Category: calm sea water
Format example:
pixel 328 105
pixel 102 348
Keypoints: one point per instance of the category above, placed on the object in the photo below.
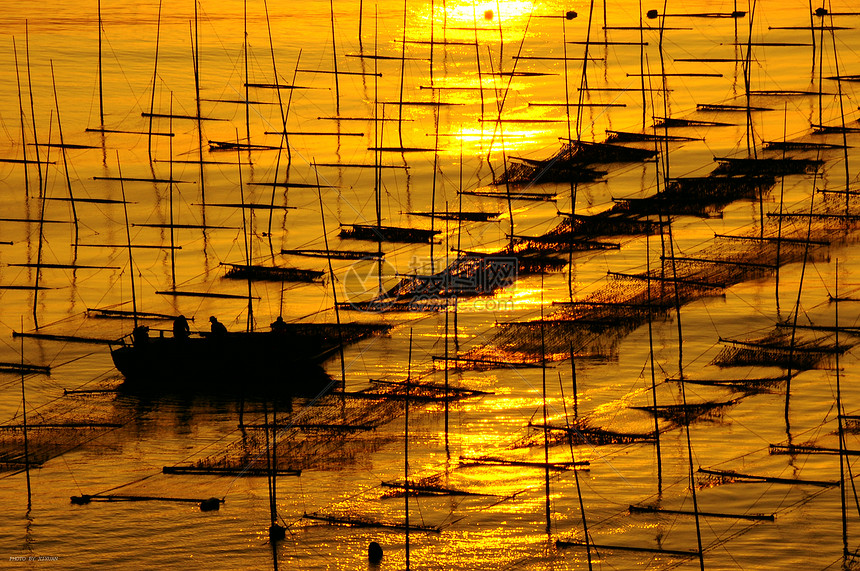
pixel 515 51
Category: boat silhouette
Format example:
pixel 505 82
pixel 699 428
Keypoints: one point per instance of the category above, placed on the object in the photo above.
pixel 286 361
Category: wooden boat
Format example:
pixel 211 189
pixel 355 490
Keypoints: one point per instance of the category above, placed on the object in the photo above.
pixel 287 361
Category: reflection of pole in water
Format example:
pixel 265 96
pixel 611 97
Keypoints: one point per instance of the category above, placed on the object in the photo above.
pixel 459 237
pixel 687 421
pixel 651 358
pixel 447 298
pixel 545 419
pixel 839 416
pixel 406 445
pixel 797 302
pixel 573 382
pixel 582 510
pixel 570 434
pixel 777 264
pixel 276 532
pixel 24 423
pixel 677 298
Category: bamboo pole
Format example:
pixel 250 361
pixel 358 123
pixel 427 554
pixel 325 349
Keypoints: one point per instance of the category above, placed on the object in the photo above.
pixel 32 104
pixel 63 149
pixel 334 59
pixel 128 241
pixel 154 83
pixel 23 125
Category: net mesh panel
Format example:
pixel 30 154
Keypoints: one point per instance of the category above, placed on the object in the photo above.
pixel 769 166
pixel 73 421
pixel 570 163
pixel 595 324
pixel 681 415
pixel 780 348
pixel 335 430
pixel 580 431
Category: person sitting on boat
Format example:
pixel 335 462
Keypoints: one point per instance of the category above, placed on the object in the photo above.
pixel 140 335
pixel 181 329
pixel 218 329
pixel 278 326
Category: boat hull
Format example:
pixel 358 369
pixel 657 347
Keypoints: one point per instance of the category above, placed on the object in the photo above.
pixel 237 362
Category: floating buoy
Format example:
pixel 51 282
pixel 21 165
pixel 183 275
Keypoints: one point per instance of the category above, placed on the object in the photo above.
pixel 374 550
pixel 80 500
pixel 276 532
pixel 210 505
pixel 821 11
pixel 651 14
pixel 488 15
pixel 570 14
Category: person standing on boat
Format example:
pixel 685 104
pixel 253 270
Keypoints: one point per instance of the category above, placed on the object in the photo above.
pixel 218 329
pixel 140 335
pixel 181 329
pixel 278 326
